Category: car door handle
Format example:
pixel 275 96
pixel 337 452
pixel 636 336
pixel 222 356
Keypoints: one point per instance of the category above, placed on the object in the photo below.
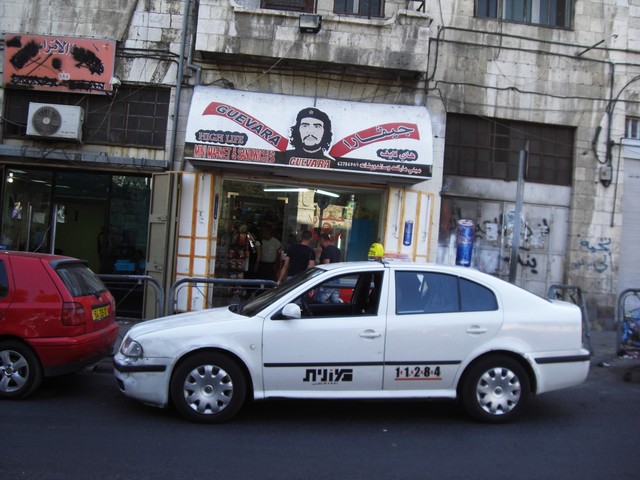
pixel 476 330
pixel 370 334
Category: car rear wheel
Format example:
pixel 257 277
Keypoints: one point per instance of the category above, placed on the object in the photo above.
pixel 20 370
pixel 208 388
pixel 496 389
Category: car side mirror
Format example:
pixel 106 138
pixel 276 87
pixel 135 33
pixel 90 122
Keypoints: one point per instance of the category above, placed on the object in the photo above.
pixel 291 310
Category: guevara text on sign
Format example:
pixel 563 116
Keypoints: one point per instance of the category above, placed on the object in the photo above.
pixel 266 130
pixel 42 62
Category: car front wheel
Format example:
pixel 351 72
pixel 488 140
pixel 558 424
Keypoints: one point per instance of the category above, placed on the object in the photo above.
pixel 20 371
pixel 496 389
pixel 208 388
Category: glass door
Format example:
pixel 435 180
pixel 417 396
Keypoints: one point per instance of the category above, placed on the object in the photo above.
pixel 26 219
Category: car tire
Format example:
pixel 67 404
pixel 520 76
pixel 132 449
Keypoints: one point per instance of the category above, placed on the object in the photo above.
pixel 20 370
pixel 495 389
pixel 208 388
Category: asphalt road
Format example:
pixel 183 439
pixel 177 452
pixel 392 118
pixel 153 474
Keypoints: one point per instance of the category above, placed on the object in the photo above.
pixel 82 427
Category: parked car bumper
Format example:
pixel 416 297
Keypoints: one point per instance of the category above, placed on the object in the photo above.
pixel 61 355
pixel 144 381
pixel 562 371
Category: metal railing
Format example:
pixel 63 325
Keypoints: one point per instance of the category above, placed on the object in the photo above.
pixel 236 287
pixel 577 297
pixel 124 286
pixel 628 326
pixel 129 284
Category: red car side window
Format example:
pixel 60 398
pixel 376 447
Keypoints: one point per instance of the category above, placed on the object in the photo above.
pixel 4 280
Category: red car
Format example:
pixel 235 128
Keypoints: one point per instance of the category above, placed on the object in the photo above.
pixel 56 317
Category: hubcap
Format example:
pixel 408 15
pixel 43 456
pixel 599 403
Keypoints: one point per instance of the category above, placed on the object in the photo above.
pixel 208 389
pixel 14 371
pixel 498 391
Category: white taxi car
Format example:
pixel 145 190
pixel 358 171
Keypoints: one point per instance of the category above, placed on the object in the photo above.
pixel 397 331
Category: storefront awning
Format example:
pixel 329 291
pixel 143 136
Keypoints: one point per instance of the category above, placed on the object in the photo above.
pixel 302 135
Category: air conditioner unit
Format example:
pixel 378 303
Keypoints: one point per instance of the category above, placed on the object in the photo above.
pixel 55 121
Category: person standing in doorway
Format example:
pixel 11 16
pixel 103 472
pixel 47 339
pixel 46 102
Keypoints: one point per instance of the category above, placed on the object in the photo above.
pixel 329 254
pixel 299 257
pixel 269 255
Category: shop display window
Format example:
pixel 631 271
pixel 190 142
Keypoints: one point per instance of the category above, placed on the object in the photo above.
pixel 247 210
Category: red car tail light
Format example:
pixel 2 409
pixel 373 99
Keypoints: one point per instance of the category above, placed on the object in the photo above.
pixel 73 313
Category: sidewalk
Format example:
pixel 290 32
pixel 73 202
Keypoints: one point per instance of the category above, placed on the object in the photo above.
pixel 603 344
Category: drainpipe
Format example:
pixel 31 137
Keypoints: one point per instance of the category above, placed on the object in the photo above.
pixel 190 65
pixel 179 76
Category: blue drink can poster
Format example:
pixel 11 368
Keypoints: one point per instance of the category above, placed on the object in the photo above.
pixel 464 242
pixel 408 233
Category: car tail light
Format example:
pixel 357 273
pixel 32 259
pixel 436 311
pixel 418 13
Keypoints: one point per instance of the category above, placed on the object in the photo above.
pixel 73 313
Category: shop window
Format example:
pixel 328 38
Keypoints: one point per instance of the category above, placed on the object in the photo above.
pixel 26 214
pixel 289 5
pixel 99 217
pixel 247 211
pixel 82 185
pixel 553 13
pixel 134 117
pixel 361 8
pixel 490 148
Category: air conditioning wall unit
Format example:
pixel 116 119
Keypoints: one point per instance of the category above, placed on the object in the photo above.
pixel 55 121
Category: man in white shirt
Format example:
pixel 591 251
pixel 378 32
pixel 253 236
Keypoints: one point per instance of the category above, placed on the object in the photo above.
pixel 269 255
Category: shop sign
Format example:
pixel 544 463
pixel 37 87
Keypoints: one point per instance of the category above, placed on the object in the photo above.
pixel 266 130
pixel 42 62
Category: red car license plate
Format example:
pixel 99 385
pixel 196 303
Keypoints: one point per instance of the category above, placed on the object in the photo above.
pixel 100 313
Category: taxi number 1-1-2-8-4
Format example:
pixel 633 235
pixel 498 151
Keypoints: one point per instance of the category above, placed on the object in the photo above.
pixel 418 373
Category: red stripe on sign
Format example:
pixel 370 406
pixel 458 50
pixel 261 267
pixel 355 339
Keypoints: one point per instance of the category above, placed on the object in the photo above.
pixel 249 123
pixel 379 133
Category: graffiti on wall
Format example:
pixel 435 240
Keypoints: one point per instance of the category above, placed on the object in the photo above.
pixel 498 233
pixel 541 253
pixel 597 255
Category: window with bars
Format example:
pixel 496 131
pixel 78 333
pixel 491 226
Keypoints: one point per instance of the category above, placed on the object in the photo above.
pixel 133 116
pixel 554 13
pixel 490 148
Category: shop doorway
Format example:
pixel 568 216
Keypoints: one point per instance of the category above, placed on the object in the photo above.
pixel 78 227
pixel 248 210
pixel 96 216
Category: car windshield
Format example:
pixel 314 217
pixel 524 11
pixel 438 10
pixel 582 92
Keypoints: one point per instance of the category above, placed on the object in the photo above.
pixel 254 305
pixel 80 280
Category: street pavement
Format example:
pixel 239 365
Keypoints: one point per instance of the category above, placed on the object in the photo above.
pixel 604 360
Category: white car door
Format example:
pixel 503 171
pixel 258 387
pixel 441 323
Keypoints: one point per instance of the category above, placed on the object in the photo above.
pixel 333 348
pixel 437 321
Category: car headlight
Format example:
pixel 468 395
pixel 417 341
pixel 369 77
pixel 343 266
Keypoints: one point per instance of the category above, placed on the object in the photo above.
pixel 131 348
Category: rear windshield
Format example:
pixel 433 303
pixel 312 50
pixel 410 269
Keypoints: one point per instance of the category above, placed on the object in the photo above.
pixel 80 280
